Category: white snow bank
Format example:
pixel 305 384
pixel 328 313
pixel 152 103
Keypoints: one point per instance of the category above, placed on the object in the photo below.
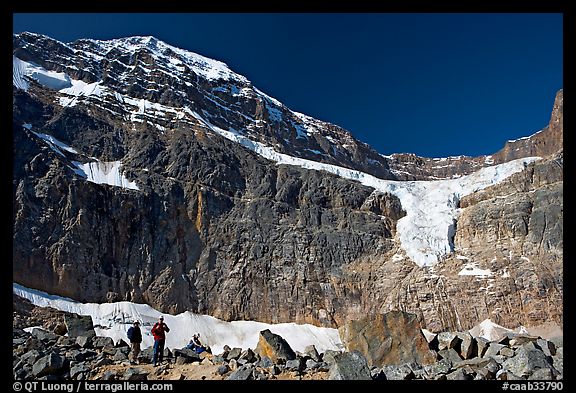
pixel 80 88
pixel 427 230
pixel 209 68
pixel 29 329
pixel 101 172
pixel 50 79
pixel 70 88
pixel 54 143
pixel 19 70
pixel 492 331
pixel 98 172
pixel 471 269
pixel 114 319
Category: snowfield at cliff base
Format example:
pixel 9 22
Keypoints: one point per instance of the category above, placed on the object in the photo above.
pixel 113 320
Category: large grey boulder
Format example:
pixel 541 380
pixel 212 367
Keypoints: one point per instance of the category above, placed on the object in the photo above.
pixel 447 340
pixel 398 373
pixel 52 363
pixel 328 356
pixel 135 374
pixel 482 345
pixel 527 360
pixel 442 366
pixel 392 338
pixel 248 355
pixel 295 364
pixel 45 335
pixel 67 342
pixel 349 366
pixel 186 355
pixel 518 339
pixel 79 325
pixel 546 346
pixel 312 353
pixel 558 360
pixel 79 370
pixel 274 346
pixel 243 373
pixel 264 362
pixel 468 345
pixel 101 342
pixel 474 362
pixel 233 353
pixel 493 349
pixel 450 355
pixel 84 341
pixel 119 356
pixel 31 357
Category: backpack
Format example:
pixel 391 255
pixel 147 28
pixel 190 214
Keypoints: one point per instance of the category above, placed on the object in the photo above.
pixel 130 333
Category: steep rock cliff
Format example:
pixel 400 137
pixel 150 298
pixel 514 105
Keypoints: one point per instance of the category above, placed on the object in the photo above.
pixel 127 187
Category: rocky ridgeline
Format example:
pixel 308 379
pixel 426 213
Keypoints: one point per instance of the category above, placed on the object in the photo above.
pixel 390 346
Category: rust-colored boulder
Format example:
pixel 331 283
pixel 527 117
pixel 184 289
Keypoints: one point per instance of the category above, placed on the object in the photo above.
pixel 392 338
pixel 274 347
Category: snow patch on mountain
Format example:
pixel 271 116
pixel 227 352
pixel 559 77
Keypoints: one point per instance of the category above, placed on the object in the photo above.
pixel 53 143
pixel 19 70
pixel 471 269
pixel 50 79
pixel 175 57
pixel 80 89
pixel 492 331
pixel 101 172
pixel 114 319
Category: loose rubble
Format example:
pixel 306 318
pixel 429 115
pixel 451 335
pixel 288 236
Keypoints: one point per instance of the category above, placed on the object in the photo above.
pixel 45 355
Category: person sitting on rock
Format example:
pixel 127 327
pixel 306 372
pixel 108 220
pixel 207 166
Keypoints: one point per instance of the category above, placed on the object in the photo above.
pixel 196 345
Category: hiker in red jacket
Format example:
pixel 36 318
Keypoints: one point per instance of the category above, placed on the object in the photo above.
pixel 159 332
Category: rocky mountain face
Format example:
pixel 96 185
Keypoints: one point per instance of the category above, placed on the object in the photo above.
pixel 195 221
pixel 507 264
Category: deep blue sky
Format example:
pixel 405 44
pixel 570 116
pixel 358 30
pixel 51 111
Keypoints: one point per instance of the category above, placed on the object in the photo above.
pixel 431 84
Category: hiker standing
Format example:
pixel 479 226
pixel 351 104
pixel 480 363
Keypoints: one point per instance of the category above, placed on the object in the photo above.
pixel 159 331
pixel 135 336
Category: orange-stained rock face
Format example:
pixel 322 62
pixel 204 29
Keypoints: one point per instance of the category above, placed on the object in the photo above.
pixel 391 338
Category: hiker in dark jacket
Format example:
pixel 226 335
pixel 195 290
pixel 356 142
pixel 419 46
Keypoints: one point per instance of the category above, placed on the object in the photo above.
pixel 135 336
pixel 159 331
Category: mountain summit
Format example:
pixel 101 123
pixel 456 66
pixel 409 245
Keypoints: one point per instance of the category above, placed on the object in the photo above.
pixel 148 173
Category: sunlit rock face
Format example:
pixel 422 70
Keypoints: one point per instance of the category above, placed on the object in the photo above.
pixel 143 172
